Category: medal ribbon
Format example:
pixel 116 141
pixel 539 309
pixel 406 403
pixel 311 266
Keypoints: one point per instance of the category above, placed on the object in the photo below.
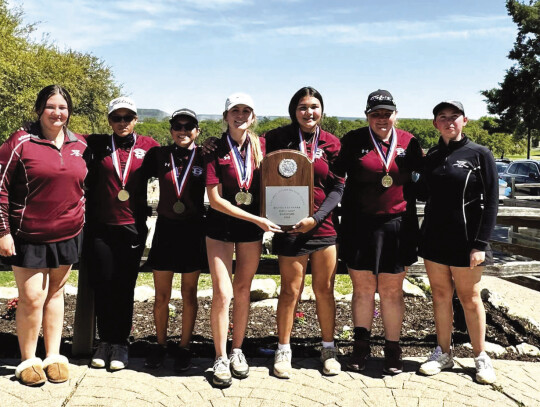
pixel 116 161
pixel 387 159
pixel 242 167
pixel 180 186
pixel 314 144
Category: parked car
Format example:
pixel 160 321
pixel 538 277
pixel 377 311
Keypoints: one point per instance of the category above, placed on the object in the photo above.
pixel 524 172
pixel 502 164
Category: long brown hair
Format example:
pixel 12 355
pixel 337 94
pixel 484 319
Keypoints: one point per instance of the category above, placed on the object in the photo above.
pixel 49 91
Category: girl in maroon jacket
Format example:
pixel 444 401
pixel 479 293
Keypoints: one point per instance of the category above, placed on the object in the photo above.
pixel 41 217
pixel 314 237
pixel 116 229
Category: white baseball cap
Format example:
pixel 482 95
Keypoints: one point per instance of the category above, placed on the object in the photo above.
pixel 122 102
pixel 239 99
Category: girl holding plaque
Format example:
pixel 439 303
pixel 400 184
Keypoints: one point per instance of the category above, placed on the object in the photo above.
pixel 116 228
pixel 313 238
pixel 379 226
pixel 42 173
pixel 179 168
pixel 461 210
pixel 233 226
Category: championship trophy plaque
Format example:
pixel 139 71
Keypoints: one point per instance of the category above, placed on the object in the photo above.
pixel 286 187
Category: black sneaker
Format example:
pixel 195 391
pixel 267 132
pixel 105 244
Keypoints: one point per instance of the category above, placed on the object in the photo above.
pixel 156 356
pixel 392 358
pixel 357 360
pixel 182 362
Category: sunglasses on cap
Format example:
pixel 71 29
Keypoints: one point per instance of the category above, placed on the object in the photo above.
pixel 187 126
pixel 117 118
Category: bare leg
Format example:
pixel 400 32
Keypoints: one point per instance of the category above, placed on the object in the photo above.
pixel 163 286
pixel 323 270
pixel 363 302
pixel 292 270
pixel 442 290
pixel 189 305
pixel 53 309
pixel 392 303
pixel 247 261
pixel 468 290
pixel 220 262
pixel 32 285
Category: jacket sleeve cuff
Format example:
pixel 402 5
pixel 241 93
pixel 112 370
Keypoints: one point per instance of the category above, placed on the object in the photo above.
pixel 4 233
pixel 480 245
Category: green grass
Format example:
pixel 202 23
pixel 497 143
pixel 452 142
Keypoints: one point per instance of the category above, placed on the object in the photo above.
pixel 343 282
pixel 535 155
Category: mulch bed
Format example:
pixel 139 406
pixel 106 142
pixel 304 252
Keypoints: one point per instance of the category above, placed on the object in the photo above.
pixel 418 333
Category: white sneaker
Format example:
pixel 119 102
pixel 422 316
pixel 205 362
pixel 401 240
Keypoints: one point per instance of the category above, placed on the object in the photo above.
pixel 222 372
pixel 437 361
pixel 484 369
pixel 101 356
pixel 119 357
pixel 282 363
pixel 239 365
pixel 331 366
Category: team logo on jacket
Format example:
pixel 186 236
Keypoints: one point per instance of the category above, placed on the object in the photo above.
pixel 319 153
pixel 197 171
pixel 400 152
pixel 461 164
pixel 76 153
pixel 139 153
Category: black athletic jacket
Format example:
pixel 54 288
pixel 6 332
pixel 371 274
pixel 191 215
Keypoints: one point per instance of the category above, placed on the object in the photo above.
pixel 457 179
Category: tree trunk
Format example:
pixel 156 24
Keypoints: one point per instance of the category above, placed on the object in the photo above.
pixel 529 143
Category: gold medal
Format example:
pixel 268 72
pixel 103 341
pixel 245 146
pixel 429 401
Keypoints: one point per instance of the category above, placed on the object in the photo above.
pixel 387 181
pixel 123 195
pixel 179 207
pixel 248 198
pixel 240 198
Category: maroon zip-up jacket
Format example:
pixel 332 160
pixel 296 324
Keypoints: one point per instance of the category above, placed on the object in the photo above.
pixel 41 187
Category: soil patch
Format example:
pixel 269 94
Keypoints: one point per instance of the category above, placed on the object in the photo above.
pixel 418 333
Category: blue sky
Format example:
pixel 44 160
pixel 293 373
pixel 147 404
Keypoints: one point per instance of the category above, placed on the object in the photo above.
pixel 170 54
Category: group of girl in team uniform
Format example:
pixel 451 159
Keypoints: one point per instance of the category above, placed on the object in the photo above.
pixel 377 170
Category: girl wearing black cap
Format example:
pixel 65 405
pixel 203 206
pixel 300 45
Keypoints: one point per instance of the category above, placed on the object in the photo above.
pixel 379 224
pixel 314 237
pixel 458 176
pixel 116 230
pixel 179 168
pixel 42 173
pixel 234 227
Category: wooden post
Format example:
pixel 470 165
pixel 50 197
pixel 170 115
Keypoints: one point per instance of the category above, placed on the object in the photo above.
pixel 512 187
pixel 84 326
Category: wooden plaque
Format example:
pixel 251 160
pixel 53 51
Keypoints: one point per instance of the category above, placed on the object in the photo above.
pixel 286 187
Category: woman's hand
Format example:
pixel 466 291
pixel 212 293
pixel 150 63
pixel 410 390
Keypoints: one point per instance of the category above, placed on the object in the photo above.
pixel 305 225
pixel 268 226
pixel 7 246
pixel 209 145
pixel 477 257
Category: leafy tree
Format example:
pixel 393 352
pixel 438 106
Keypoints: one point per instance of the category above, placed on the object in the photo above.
pixel 517 99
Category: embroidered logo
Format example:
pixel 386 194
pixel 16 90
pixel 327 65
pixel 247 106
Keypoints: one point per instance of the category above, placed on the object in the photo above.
pixel 197 171
pixel 400 151
pixel 226 157
pixel 76 153
pixel 139 153
pixel 319 153
pixel 167 164
pixel 461 164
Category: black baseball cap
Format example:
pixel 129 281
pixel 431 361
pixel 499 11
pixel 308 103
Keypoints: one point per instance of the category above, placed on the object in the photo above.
pixel 184 112
pixel 380 99
pixel 448 103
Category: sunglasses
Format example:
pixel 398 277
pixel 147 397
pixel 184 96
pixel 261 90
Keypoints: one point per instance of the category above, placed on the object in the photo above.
pixel 187 127
pixel 127 118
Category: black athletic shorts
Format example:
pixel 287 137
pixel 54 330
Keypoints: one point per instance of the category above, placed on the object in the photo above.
pixel 378 243
pixel 178 246
pixel 294 245
pixel 220 226
pixel 45 255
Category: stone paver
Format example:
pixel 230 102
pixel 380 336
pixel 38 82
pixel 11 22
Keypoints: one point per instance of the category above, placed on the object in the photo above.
pixel 137 386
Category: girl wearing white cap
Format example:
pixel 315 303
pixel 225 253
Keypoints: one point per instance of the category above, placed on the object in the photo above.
pixel 116 230
pixel 233 226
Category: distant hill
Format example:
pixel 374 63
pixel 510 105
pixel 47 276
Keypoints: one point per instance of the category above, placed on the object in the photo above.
pixel 151 114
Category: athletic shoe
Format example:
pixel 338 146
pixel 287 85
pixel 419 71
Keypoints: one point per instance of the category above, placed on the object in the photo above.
pixel 437 362
pixel 101 356
pixel 222 372
pixel 182 362
pixel 331 366
pixel 282 363
pixel 361 350
pixel 239 365
pixel 119 357
pixel 392 358
pixel 484 369
pixel 156 356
